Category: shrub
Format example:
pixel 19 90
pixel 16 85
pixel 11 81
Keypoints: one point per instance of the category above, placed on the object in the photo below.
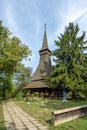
pixel 19 96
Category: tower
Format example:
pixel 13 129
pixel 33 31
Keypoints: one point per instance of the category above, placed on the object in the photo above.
pixel 44 67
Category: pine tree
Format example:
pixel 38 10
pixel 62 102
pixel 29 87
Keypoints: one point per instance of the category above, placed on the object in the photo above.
pixel 70 70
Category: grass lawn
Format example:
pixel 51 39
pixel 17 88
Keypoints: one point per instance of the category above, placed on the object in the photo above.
pixel 2 125
pixel 43 114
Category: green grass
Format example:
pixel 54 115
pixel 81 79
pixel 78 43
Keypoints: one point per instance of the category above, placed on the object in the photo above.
pixel 2 125
pixel 44 114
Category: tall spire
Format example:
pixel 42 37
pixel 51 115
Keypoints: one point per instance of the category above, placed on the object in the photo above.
pixel 44 67
pixel 45 43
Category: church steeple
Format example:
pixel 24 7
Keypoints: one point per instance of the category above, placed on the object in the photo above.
pixel 45 43
pixel 44 66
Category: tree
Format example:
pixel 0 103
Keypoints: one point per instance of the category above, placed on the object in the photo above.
pixel 70 70
pixel 23 76
pixel 12 52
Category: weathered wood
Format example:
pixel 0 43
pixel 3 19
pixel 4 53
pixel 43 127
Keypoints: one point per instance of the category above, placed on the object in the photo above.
pixel 65 115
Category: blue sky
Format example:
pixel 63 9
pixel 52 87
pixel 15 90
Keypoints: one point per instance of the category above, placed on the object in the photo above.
pixel 26 19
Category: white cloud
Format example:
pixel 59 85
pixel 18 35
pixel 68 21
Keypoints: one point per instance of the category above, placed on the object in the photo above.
pixel 73 12
pixel 26 18
pixel 10 20
pixel 71 17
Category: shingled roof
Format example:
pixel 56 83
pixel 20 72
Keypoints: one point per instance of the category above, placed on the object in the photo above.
pixel 44 67
pixel 36 84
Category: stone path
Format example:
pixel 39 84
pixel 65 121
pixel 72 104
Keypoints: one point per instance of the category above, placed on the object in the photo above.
pixel 16 119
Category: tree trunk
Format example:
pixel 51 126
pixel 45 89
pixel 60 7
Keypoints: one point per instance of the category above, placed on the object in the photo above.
pixel 4 94
pixel 74 96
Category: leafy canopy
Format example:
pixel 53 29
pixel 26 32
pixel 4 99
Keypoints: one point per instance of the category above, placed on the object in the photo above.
pixel 23 76
pixel 12 52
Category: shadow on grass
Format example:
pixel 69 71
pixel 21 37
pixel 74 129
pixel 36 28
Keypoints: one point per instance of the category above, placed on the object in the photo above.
pixel 83 118
pixel 49 121
pixel 2 126
pixel 77 124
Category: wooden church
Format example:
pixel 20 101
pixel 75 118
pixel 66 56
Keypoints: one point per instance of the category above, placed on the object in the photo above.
pixel 44 68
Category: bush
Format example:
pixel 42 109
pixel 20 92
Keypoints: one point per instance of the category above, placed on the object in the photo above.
pixel 82 95
pixel 19 96
pixel 36 94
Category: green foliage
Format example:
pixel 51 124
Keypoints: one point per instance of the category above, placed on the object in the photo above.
pixel 12 52
pixel 36 94
pixel 19 96
pixel 70 70
pixel 82 94
pixel 22 76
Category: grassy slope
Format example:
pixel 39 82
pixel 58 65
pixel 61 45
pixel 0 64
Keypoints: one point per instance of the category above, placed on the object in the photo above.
pixel 43 114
